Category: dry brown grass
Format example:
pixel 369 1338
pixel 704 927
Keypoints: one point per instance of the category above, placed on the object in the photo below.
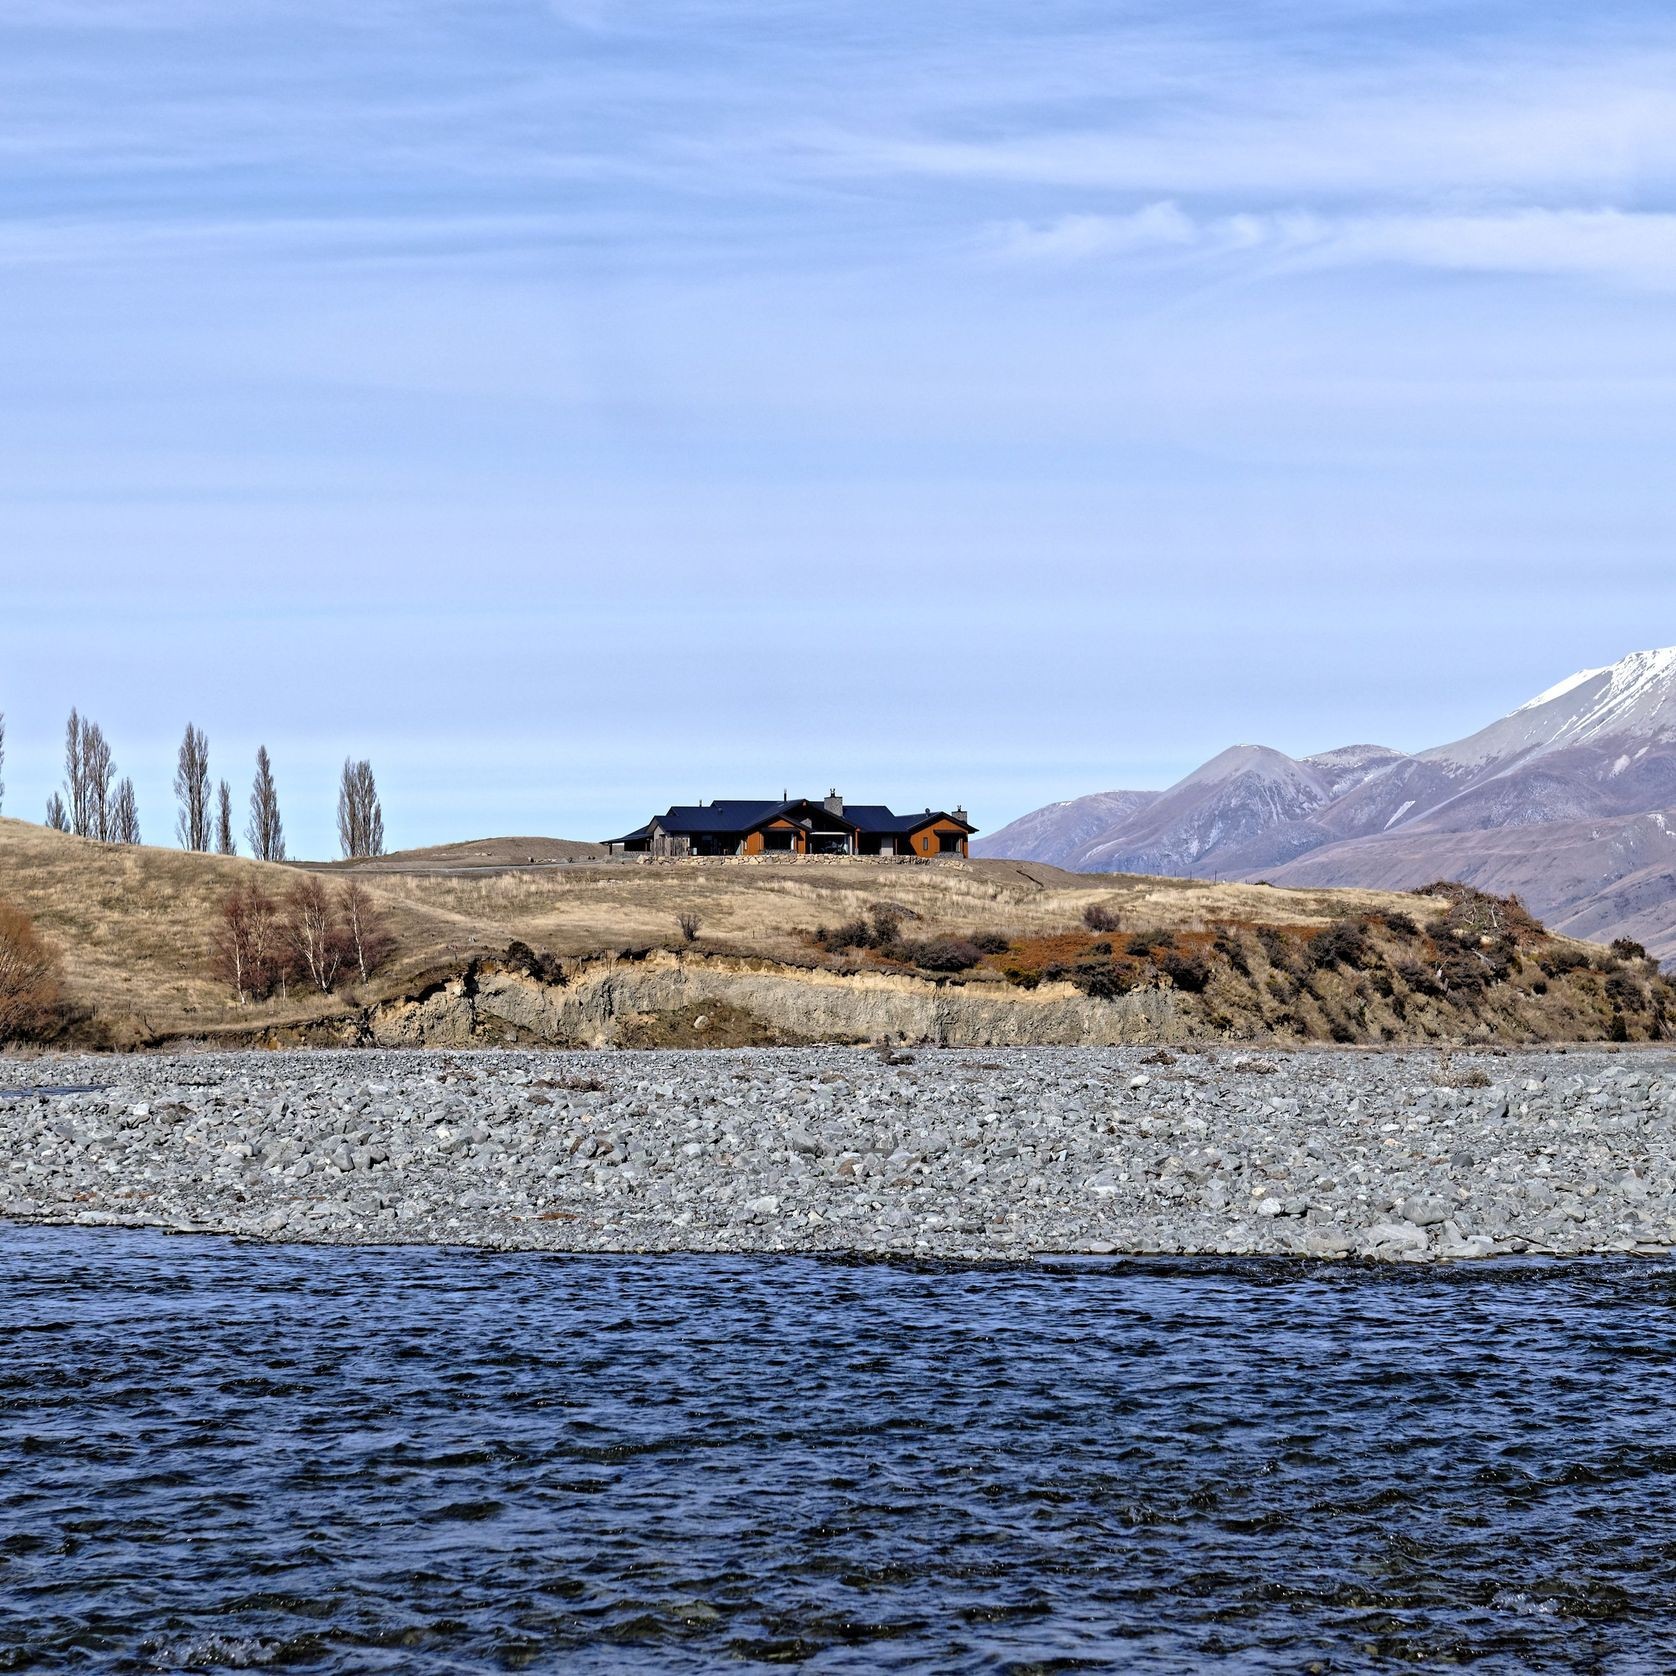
pixel 133 926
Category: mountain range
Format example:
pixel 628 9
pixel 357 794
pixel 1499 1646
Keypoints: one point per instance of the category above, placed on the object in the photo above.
pixel 1569 802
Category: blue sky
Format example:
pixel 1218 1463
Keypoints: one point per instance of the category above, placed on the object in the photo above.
pixel 576 405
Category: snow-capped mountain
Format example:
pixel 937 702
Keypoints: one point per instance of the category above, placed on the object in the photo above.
pixel 1569 800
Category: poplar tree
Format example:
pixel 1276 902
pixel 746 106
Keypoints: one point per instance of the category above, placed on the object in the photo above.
pixel 125 815
pixel 192 787
pixel 266 831
pixel 224 844
pixel 360 815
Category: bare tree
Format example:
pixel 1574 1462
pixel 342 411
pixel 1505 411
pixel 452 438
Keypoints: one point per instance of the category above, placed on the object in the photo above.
pixel 58 817
pixel 370 943
pixel 689 924
pixel 98 772
pixel 224 844
pixel 192 787
pixel 266 831
pixel 315 934
pixel 360 815
pixel 249 950
pixel 28 976
pixel 88 773
pixel 75 776
pixel 125 815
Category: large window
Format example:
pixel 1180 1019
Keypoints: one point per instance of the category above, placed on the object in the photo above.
pixel 948 843
pixel 777 838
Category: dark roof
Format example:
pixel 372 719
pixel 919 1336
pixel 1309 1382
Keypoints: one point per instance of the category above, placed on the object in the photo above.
pixel 724 815
pixel 736 815
pixel 875 817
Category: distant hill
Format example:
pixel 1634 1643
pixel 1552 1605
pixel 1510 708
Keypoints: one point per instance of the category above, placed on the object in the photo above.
pixel 481 852
pixel 1060 833
pixel 1569 801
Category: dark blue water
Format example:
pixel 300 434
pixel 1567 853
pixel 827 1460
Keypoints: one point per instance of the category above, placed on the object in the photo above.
pixel 220 1456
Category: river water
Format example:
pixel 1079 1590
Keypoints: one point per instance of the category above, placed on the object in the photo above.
pixel 223 1456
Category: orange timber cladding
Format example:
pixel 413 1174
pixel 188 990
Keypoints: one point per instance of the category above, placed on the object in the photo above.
pixel 796 826
pixel 928 841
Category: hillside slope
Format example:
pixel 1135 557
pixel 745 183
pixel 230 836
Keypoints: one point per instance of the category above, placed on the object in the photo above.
pixel 974 952
pixel 1569 801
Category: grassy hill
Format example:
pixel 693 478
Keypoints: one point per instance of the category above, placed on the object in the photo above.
pixel 134 926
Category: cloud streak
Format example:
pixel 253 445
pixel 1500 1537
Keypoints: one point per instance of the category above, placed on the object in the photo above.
pixel 1604 244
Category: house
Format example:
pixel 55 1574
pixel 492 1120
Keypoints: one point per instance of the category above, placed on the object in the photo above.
pixel 796 826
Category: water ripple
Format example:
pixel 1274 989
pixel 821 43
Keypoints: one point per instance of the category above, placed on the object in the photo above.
pixel 224 1457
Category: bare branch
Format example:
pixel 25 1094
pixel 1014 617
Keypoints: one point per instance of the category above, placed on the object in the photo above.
pixel 192 788
pixel 224 844
pixel 266 831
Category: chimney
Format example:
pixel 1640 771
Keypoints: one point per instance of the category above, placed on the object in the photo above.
pixel 834 803
pixel 960 815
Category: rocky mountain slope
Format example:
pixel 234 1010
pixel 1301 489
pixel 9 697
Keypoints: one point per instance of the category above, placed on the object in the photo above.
pixel 1569 801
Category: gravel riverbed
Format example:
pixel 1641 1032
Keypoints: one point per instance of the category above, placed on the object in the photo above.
pixel 997 1153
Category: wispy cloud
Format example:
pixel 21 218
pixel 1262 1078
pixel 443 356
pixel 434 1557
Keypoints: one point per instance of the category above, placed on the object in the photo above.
pixel 1605 244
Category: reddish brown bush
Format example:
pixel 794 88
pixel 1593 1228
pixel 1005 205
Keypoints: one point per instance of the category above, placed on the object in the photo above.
pixel 28 977
pixel 369 939
pixel 250 953
pixel 313 937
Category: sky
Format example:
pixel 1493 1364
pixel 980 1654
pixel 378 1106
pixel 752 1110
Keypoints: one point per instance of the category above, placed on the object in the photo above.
pixel 575 406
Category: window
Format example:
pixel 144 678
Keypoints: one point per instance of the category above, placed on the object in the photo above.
pixel 948 843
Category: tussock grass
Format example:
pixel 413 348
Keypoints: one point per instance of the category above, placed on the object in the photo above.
pixel 133 926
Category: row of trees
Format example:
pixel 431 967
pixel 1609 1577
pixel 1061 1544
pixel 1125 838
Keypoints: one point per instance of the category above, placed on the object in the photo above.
pixel 95 804
pixel 311 938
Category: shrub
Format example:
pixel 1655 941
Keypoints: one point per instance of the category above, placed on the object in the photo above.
pixel 1185 971
pixel 689 926
pixel 1422 980
pixel 1098 917
pixel 887 924
pixel 1625 993
pixel 28 977
pixel 1231 946
pixel 1556 963
pixel 852 934
pixel 1343 943
pixel 1403 924
pixel 1626 948
pixel 990 942
pixel 1104 980
pixel 943 954
pixel 1277 947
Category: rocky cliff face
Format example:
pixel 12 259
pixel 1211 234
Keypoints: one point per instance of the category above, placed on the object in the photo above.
pixel 1569 801
pixel 1467 970
pixel 607 1002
